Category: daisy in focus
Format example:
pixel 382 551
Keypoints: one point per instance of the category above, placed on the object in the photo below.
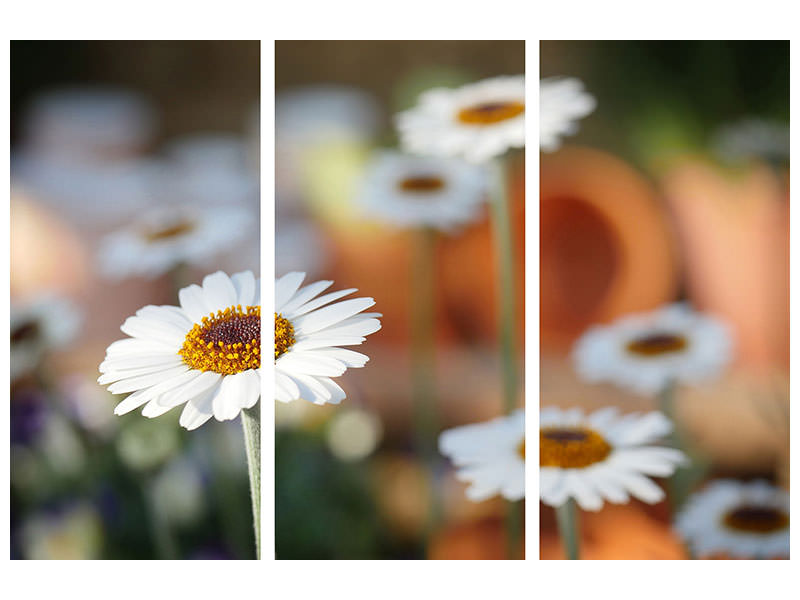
pixel 38 325
pixel 490 456
pixel 411 191
pixel 740 520
pixel 645 352
pixel 562 102
pixel 603 456
pixel 170 236
pixel 204 354
pixel 308 332
pixel 476 122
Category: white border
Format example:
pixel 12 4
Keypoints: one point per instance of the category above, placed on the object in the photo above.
pixel 349 19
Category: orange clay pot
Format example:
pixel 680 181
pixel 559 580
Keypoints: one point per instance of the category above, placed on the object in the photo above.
pixel 734 226
pixel 378 261
pixel 479 540
pixel 468 268
pixel 631 531
pixel 606 246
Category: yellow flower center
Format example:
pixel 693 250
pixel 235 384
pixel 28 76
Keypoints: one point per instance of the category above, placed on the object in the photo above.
pixel 571 447
pixel 489 113
pixel 421 184
pixel 658 344
pixel 756 519
pixel 171 231
pixel 284 335
pixel 227 343
pixel 521 449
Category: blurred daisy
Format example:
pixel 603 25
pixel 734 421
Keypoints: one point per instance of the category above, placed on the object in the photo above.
pixel 490 456
pixel 38 325
pixel 741 520
pixel 646 351
pixel 562 101
pixel 477 121
pixel 169 236
pixel 411 191
pixel 752 138
pixel 602 456
pixel 205 354
pixel 307 336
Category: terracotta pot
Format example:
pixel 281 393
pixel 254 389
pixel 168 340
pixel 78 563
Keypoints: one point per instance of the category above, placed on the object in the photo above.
pixel 606 245
pixel 631 531
pixel 734 228
pixel 479 540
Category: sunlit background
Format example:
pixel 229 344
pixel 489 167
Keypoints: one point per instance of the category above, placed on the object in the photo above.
pixel 675 188
pixel 110 137
pixel 349 480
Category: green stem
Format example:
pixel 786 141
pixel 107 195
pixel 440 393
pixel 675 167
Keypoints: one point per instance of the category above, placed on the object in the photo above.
pixel 251 423
pixel 504 251
pixel 513 528
pixel 567 517
pixel 423 323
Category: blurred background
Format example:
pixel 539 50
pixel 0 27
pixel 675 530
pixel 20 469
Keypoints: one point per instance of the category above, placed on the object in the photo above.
pixel 675 188
pixel 121 154
pixel 349 482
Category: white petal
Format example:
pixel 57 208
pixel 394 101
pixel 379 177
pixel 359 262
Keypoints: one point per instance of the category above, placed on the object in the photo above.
pixel 144 381
pixel 198 410
pixel 251 389
pixel 305 295
pixel 325 317
pixel 318 302
pixel 285 389
pixel 227 402
pixel 311 363
pixel 245 284
pixel 218 291
pixel 285 287
pixel 186 392
pixel 193 303
pixel 153 409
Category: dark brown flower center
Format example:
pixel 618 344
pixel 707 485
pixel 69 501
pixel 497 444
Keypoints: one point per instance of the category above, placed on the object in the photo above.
pixel 421 184
pixel 227 342
pixel 27 330
pixel 489 113
pixel 657 344
pixel 571 447
pixel 756 519
pixel 171 231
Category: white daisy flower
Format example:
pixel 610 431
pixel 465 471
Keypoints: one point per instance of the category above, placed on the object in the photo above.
pixel 645 352
pixel 476 122
pixel 741 520
pixel 205 353
pixel 602 456
pixel 172 235
pixel 37 325
pixel 308 335
pixel 412 191
pixel 562 101
pixel 490 456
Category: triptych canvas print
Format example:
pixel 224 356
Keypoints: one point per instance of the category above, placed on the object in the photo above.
pixel 385 182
